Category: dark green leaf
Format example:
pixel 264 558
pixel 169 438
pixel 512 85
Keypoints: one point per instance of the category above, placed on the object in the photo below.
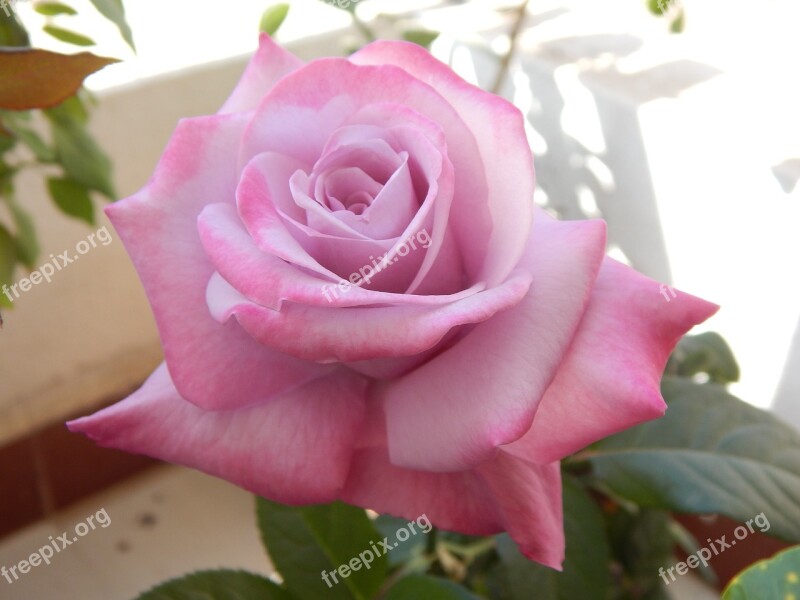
pixel 305 542
pixel 640 544
pixel 711 453
pixel 114 11
pixel 78 153
pixel 419 587
pixel 50 9
pixel 689 545
pixel 67 36
pixel 585 574
pixel 704 353
pixel 218 585
pixel 422 37
pixel 41 79
pixel 388 526
pixel 12 33
pixel 72 198
pixel 7 140
pixel 8 261
pixel 272 18
pixel 777 577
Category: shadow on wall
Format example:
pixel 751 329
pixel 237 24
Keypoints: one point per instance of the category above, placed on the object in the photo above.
pixel 590 153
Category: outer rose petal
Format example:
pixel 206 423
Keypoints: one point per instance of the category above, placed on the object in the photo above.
pixel 268 65
pixel 503 494
pixel 528 498
pixel 268 449
pixel 453 411
pixel 498 127
pixel 213 365
pixel 609 380
pixel 329 334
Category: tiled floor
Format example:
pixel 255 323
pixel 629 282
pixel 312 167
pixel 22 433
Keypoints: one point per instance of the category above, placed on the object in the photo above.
pixel 161 524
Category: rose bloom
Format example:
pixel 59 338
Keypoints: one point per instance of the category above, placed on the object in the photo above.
pixel 358 300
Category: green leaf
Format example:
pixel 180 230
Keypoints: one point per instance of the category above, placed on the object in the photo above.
pixel 16 124
pixel 658 7
pixel 67 36
pixel 704 353
pixel 7 140
pixel 12 33
pixel 641 543
pixel 218 585
pixel 678 23
pixel 304 542
pixel 114 11
pixel 689 545
pixel 72 198
pixel 585 574
pixel 777 577
pixel 8 261
pixel 419 587
pixel 711 453
pixel 37 145
pixel 26 242
pixel 50 9
pixel 78 153
pixel 422 37
pixel 388 526
pixel 272 18
pixel 35 78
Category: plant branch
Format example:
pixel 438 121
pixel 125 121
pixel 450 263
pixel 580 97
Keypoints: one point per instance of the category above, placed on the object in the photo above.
pixel 505 62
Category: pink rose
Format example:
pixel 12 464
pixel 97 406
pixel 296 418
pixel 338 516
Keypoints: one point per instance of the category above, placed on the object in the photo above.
pixel 358 301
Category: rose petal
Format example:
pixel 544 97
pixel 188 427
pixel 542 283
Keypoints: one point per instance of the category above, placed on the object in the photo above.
pixel 267 449
pixel 268 65
pixel 609 380
pixel 528 497
pixel 330 334
pixel 269 281
pixel 504 151
pixel 452 501
pixel 453 411
pixel 336 258
pixel 214 366
pixel 304 109
pixel 503 494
